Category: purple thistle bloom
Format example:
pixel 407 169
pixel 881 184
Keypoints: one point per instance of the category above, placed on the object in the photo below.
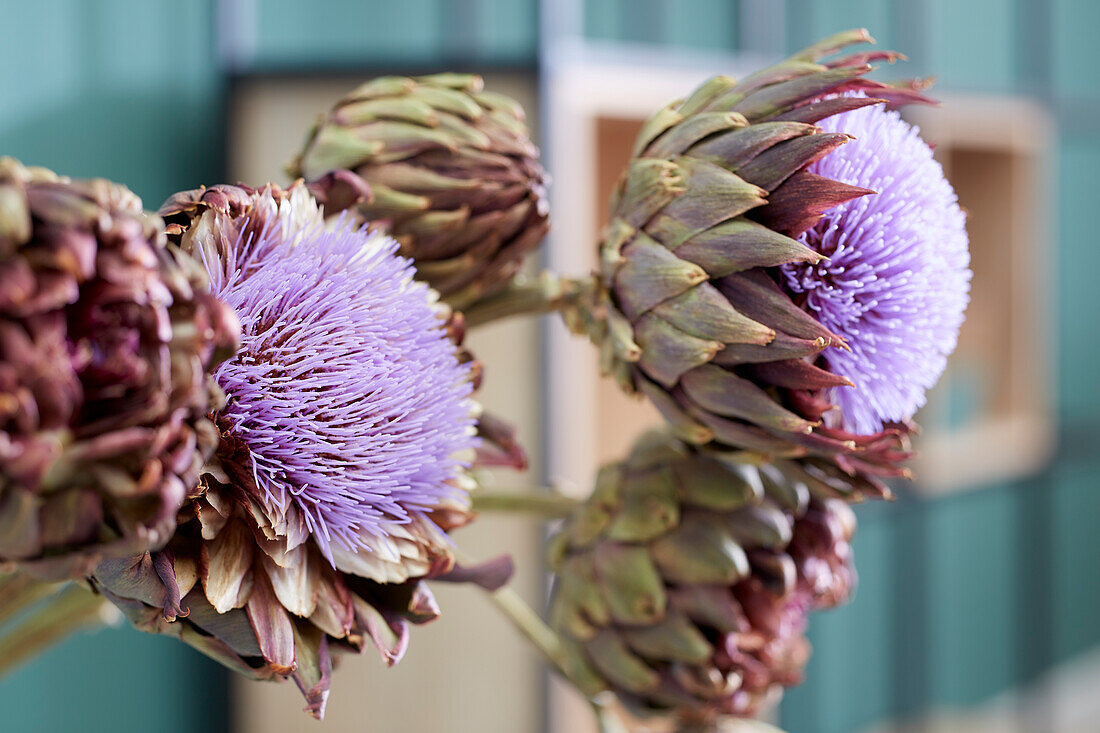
pixel 346 391
pixel 897 280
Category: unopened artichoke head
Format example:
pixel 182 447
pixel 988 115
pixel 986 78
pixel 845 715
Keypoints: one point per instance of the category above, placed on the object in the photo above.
pixel 685 582
pixel 453 176
pixel 106 337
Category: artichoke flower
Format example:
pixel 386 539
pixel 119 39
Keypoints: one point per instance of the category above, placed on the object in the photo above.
pixel 785 270
pixel 106 336
pixel 685 580
pixel 452 171
pixel 211 210
pixel 345 439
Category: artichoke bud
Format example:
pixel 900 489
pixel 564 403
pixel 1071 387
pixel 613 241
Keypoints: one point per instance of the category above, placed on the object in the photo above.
pixel 712 203
pixel 684 582
pixel 452 173
pixel 107 334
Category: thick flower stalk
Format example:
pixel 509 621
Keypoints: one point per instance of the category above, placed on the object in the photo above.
pixel 453 174
pixel 345 438
pixel 785 270
pixel 684 583
pixel 106 336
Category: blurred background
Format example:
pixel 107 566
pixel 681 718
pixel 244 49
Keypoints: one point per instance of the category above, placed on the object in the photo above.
pixel 979 599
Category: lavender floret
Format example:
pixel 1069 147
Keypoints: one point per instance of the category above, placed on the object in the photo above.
pixel 897 280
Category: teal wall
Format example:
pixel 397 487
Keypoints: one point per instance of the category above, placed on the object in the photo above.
pixel 960 597
pixel 124 89
pixel 357 34
pixel 117 681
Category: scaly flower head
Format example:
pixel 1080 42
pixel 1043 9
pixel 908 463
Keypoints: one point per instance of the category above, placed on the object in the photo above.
pixel 344 441
pixel 106 337
pixel 684 583
pixel 453 176
pixel 773 282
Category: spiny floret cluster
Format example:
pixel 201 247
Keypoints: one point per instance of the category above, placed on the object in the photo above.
pixel 896 282
pixel 346 391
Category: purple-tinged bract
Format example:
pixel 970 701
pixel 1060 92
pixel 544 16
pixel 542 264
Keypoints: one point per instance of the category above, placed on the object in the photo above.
pixel 107 334
pixel 346 391
pixel 896 281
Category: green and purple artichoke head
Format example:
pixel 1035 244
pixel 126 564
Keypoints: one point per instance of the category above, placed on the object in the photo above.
pixel 453 176
pixel 786 267
pixel 106 337
pixel 346 436
pixel 684 583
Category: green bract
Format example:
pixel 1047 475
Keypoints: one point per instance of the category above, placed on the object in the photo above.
pixel 711 204
pixel 684 581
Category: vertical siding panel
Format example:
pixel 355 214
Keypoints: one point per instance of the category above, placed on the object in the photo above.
pixel 1076 607
pixel 1076 24
pixel 972 592
pixel 603 19
pixel 709 24
pixel 972 45
pixel 1079 257
pixel 128 90
pixel 348 32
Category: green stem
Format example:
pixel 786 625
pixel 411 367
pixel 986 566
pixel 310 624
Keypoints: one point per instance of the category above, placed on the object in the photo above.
pixel 524 618
pixel 548 504
pixel 19 591
pixel 548 292
pixel 543 638
pixel 69 611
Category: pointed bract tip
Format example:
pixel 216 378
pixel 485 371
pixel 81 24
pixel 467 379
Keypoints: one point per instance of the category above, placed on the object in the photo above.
pixel 316 707
pixel 490 575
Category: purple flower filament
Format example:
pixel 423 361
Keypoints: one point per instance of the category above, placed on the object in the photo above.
pixel 346 390
pixel 897 280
